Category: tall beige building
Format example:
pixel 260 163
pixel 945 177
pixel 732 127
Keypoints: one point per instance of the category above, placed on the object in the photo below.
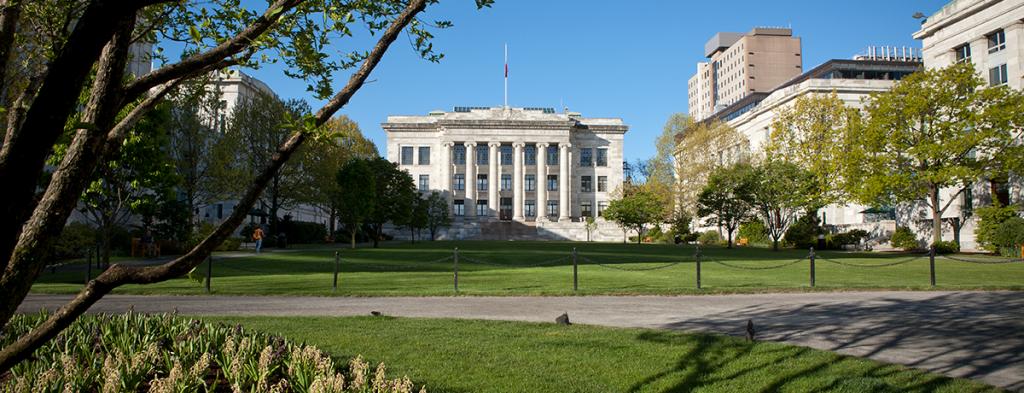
pixel 739 64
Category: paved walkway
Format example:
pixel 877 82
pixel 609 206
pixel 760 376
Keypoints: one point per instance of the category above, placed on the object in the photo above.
pixel 965 334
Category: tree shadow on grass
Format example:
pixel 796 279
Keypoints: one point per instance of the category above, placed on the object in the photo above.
pixel 975 335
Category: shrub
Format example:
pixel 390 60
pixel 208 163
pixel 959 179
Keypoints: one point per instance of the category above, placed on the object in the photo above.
pixel 75 241
pixel 838 240
pixel 904 239
pixel 204 230
pixel 303 231
pixel 989 219
pixel 709 238
pixel 1010 236
pixel 657 236
pixel 803 233
pixel 754 231
pixel 164 353
pixel 946 247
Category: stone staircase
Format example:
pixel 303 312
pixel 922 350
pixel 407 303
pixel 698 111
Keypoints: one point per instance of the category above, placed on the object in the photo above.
pixel 508 230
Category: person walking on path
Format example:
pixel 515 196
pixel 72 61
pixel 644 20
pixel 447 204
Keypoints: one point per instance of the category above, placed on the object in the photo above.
pixel 257 235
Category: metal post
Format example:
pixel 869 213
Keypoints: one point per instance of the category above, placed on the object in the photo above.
pixel 697 257
pixel 334 288
pixel 931 263
pixel 209 272
pixel 575 281
pixel 456 269
pixel 812 267
pixel 88 268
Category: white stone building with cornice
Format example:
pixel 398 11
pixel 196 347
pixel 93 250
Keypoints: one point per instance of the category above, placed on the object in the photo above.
pixel 514 173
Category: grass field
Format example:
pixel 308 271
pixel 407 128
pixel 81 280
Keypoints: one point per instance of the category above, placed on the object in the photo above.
pixel 487 356
pixel 504 268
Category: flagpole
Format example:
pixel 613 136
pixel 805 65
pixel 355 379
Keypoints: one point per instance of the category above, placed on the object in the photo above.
pixel 506 75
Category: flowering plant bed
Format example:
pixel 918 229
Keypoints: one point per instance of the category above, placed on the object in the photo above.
pixel 165 353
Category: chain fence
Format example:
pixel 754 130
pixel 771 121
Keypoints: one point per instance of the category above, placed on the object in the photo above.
pixel 888 264
pixel 549 262
pixel 631 269
pixel 982 262
pixel 780 266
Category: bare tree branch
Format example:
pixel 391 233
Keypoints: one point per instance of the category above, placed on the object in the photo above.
pixel 119 275
pixel 10 12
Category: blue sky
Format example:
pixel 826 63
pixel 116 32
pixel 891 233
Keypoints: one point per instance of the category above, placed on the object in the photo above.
pixel 601 58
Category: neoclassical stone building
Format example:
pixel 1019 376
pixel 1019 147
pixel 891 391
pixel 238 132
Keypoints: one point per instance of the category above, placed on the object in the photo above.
pixel 513 172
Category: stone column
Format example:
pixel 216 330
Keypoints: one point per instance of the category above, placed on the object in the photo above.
pixel 563 181
pixel 542 182
pixel 492 178
pixel 447 169
pixel 470 201
pixel 517 181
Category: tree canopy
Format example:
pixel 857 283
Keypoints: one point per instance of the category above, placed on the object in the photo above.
pixel 726 200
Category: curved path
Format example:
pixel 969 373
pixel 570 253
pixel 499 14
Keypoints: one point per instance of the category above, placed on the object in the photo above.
pixel 964 334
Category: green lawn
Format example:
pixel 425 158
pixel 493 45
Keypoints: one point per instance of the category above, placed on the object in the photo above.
pixel 404 269
pixel 487 356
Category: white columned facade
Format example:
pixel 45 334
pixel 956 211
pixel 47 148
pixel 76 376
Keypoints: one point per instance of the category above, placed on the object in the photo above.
pixel 448 182
pixel 492 179
pixel 470 202
pixel 542 182
pixel 563 180
pixel 517 181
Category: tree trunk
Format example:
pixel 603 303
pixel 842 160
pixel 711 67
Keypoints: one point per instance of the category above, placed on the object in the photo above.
pixel 352 236
pixel 775 244
pixel 40 232
pixel 728 232
pixel 936 215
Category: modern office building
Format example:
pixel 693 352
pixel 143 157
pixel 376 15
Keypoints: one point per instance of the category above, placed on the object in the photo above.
pixel 513 172
pixel 740 65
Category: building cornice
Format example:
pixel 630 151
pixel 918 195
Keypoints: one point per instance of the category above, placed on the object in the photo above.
pixel 566 125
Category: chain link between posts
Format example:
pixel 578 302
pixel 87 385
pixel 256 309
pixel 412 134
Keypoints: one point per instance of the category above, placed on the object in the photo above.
pixel 787 264
pixel 635 269
pixel 898 262
pixel 982 262
pixel 548 262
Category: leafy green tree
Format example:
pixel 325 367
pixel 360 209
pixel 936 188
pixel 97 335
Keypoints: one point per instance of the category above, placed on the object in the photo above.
pixel 635 211
pixel 701 149
pixel 810 133
pixel 86 53
pixel 727 200
pixel 394 194
pixel 990 218
pixel 780 192
pixel 590 225
pixel 255 128
pixel 354 199
pixel 936 129
pixel 438 215
pixel 325 155
pixel 139 179
pixel 192 132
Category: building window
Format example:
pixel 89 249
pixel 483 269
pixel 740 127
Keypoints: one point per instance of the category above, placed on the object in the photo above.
pixel 481 207
pixel 531 182
pixel 531 155
pixel 460 182
pixel 506 155
pixel 459 155
pixel 424 158
pixel 481 155
pixel 506 182
pixel 601 207
pixel 602 156
pixel 585 209
pixel 586 157
pixel 996 41
pixel 997 76
pixel 424 182
pixel 963 53
pixel 406 155
pixel 460 207
pixel 530 208
pixel 586 184
pixel 552 182
pixel 553 208
pixel 481 182
pixel 552 155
